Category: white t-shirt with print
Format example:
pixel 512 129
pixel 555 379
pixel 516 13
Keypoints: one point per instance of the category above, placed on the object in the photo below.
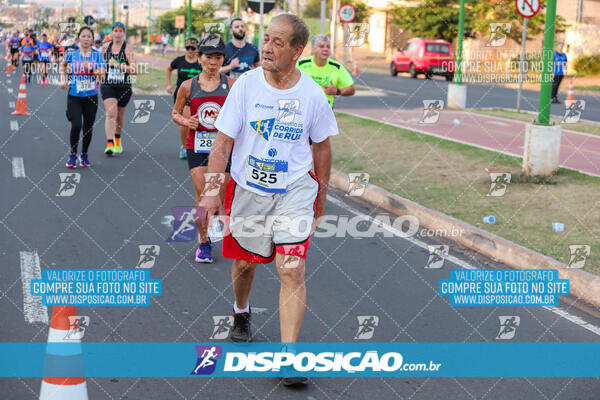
pixel 271 128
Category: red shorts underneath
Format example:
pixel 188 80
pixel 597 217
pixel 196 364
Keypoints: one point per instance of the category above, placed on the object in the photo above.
pixel 231 248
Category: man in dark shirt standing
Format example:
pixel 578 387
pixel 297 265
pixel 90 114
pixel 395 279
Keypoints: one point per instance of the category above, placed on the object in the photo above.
pixel 241 56
pixel 187 67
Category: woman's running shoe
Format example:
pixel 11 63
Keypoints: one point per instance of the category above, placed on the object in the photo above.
pixel 72 163
pixel 204 252
pixel 118 146
pixel 110 149
pixel 83 160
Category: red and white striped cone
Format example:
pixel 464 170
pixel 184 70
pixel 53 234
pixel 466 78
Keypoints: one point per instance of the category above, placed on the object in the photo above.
pixel 63 388
pixel 21 108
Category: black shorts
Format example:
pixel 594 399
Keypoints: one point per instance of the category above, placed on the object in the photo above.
pixel 14 51
pixel 201 160
pixel 27 65
pixel 121 93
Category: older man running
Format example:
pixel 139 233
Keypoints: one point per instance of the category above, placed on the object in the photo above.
pixel 270 113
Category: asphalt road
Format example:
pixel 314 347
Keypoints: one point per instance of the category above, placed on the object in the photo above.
pixel 387 92
pixel 125 201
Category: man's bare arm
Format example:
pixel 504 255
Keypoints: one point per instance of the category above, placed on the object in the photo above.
pixel 217 162
pixel 322 162
pixel 219 153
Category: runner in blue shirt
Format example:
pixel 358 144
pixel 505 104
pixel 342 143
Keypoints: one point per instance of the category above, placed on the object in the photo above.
pixel 560 66
pixel 45 49
pixel 27 57
pixel 85 66
pixel 14 44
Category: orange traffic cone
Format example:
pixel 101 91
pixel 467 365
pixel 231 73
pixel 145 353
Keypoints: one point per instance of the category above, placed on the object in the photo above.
pixel 8 68
pixel 355 70
pixel 570 95
pixel 21 108
pixel 62 388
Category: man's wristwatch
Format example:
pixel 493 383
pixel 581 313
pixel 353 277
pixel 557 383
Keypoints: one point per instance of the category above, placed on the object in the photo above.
pixel 339 92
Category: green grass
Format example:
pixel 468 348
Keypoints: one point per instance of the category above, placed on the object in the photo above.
pixel 451 178
pixel 151 76
pixel 584 127
pixel 591 87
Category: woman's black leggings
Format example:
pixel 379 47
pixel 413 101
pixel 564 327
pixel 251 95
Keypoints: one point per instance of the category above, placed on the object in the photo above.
pixel 79 108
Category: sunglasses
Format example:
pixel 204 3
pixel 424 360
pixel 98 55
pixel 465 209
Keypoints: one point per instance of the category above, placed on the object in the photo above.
pixel 191 48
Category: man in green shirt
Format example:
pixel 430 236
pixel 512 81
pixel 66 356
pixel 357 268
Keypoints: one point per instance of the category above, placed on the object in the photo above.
pixel 333 77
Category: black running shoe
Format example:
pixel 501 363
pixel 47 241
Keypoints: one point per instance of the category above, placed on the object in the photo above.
pixel 241 328
pixel 294 381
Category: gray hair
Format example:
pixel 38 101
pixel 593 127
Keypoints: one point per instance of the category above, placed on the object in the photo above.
pixel 300 31
pixel 317 38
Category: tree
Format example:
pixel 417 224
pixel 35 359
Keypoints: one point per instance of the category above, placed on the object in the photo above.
pixel 313 9
pixel 205 13
pixel 243 5
pixel 438 19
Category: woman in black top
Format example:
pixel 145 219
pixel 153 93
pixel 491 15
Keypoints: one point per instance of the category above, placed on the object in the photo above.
pixel 187 67
pixel 116 88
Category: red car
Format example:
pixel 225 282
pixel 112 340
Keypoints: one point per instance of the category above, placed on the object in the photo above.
pixel 428 57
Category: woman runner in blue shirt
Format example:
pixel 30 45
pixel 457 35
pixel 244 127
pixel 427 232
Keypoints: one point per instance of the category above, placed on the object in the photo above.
pixel 85 66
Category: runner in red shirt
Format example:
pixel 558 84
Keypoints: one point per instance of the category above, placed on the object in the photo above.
pixel 206 94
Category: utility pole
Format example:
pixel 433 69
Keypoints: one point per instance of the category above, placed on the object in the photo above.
pixel 149 23
pixel 333 27
pixel 81 12
pixel 114 15
pixel 323 12
pixel 457 92
pixel 461 27
pixel 547 63
pixel 189 19
pixel 541 154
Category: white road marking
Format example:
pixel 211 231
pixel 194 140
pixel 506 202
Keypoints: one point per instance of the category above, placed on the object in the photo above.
pixel 168 220
pixel 461 263
pixel 498 123
pixel 18 167
pixel 14 125
pixel 11 104
pixel 10 90
pixel 33 309
pixel 8 81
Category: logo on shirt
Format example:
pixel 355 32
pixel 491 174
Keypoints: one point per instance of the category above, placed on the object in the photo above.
pixel 258 105
pixel 207 114
pixel 287 110
pixel 263 127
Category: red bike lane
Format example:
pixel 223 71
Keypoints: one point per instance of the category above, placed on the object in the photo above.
pixel 579 151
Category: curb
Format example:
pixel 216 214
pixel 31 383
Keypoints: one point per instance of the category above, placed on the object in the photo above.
pixel 582 284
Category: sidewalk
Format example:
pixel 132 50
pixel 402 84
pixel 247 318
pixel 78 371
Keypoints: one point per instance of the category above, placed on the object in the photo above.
pixel 153 61
pixel 579 151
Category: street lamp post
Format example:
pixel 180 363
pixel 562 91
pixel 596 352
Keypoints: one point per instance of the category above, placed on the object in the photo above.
pixel 114 5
